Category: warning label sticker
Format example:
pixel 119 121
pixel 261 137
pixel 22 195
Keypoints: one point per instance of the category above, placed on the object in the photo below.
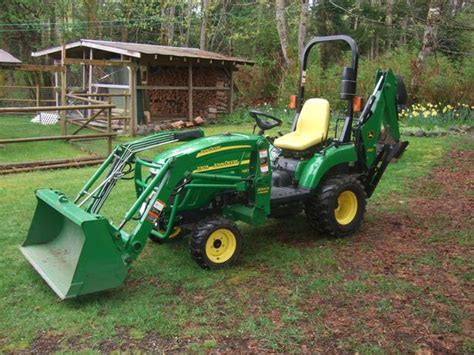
pixel 263 153
pixel 155 211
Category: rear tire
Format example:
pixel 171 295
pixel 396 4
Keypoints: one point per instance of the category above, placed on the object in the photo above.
pixel 215 243
pixel 338 206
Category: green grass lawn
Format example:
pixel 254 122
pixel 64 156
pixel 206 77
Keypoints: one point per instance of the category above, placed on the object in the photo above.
pixel 21 127
pixel 167 298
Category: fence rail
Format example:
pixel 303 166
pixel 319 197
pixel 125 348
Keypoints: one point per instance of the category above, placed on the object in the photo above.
pixel 34 93
pixel 85 103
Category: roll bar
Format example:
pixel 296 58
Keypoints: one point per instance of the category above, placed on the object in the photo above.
pixel 346 131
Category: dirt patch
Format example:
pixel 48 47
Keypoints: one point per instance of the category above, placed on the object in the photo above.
pixel 416 296
pixel 153 342
pixel 46 343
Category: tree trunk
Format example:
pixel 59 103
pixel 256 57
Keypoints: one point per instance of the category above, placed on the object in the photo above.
pixel 163 38
pixel 170 25
pixel 167 24
pixel 229 49
pixel 58 23
pixel 322 26
pixel 430 36
pixel 281 27
pixel 203 38
pixel 128 14
pixel 302 30
pixel 91 12
pixel 403 35
pixel 189 12
pixel 389 22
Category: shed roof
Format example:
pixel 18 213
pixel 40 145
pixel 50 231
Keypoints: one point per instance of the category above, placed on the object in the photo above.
pixel 7 58
pixel 138 50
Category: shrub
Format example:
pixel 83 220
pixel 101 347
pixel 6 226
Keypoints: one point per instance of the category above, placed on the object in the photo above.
pixel 439 79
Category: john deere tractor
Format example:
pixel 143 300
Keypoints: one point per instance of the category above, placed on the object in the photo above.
pixel 207 184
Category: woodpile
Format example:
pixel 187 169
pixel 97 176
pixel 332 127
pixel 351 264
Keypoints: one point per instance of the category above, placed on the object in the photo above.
pixel 150 128
pixel 173 104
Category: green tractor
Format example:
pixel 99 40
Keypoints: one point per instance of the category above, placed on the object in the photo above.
pixel 208 183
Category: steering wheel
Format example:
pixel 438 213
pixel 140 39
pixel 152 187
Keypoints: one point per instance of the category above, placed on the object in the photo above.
pixel 265 121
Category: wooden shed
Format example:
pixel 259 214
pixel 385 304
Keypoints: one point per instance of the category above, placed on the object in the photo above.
pixel 164 83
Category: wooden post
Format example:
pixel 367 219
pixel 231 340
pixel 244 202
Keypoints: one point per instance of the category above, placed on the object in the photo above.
pixel 190 91
pixel 56 84
pixel 38 95
pixel 231 91
pixel 132 87
pixel 109 127
pixel 125 111
pixel 91 56
pixel 84 73
pixel 63 91
pixel 91 72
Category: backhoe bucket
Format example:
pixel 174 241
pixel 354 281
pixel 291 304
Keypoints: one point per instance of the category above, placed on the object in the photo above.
pixel 74 251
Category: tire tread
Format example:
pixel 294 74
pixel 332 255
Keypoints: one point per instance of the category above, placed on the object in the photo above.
pixel 318 210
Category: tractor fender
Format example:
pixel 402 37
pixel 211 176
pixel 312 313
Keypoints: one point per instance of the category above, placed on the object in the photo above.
pixel 321 163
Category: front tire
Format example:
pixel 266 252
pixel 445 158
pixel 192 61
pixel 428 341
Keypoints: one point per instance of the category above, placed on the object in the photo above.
pixel 338 206
pixel 215 243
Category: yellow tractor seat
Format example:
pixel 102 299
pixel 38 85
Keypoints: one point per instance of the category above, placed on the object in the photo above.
pixel 311 129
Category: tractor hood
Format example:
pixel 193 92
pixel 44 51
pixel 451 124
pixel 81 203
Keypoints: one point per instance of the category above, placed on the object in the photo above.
pixel 209 146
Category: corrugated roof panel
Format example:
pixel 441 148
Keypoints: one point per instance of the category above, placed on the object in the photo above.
pixel 135 49
pixel 7 58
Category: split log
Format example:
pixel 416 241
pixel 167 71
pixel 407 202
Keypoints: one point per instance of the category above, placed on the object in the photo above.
pixel 177 124
pixel 199 120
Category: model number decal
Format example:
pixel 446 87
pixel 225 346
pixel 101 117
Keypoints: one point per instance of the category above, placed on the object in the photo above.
pixel 217 149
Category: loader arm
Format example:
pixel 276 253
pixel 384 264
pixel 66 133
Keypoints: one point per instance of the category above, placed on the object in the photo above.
pixel 123 155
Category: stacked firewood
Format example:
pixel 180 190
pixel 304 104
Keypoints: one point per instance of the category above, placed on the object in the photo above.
pixel 173 104
pixel 168 103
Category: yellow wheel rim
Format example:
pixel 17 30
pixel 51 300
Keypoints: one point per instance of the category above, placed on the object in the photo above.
pixel 346 209
pixel 175 232
pixel 221 246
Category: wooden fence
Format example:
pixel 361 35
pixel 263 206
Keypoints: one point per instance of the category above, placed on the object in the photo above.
pixel 100 108
pixel 32 95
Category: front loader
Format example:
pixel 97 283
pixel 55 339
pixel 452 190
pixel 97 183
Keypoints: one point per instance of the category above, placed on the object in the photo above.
pixel 207 184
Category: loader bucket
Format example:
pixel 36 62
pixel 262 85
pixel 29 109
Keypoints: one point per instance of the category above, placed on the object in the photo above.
pixel 74 251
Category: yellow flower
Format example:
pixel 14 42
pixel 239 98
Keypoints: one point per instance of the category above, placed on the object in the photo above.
pixel 449 107
pixel 426 114
pixel 445 109
pixel 429 104
pixel 434 113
